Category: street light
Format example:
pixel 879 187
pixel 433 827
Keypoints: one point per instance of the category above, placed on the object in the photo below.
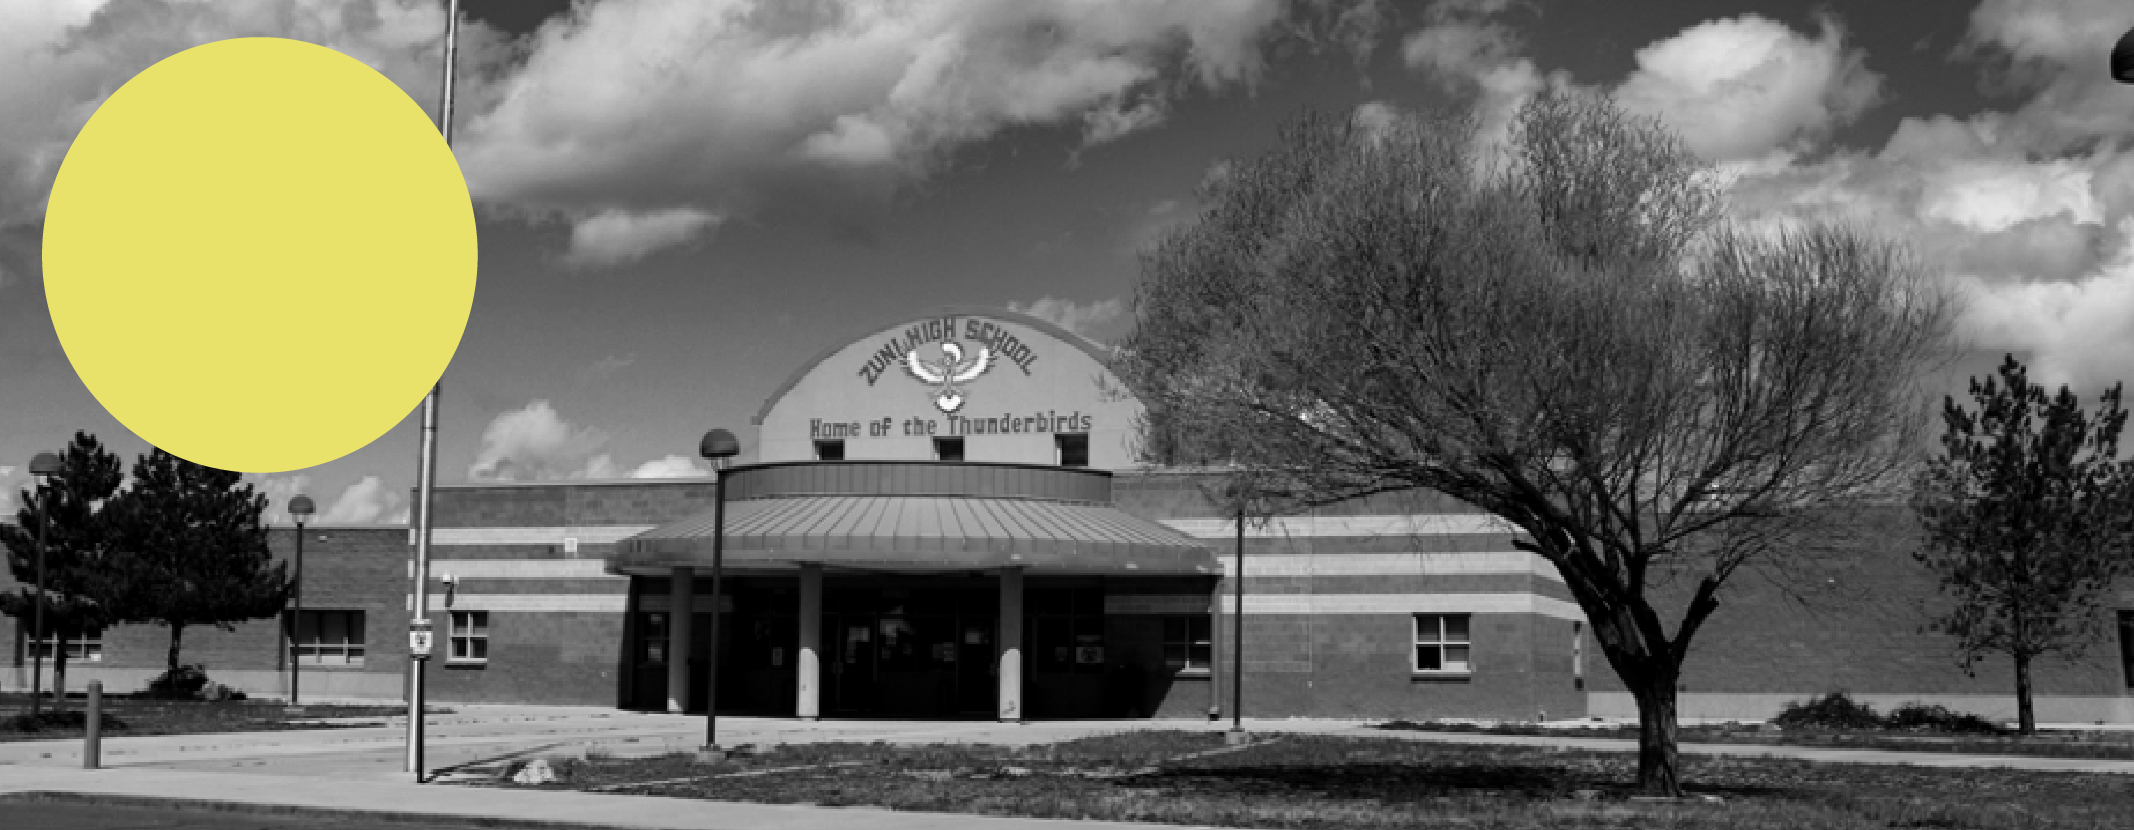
pixel 43 466
pixel 717 446
pixel 300 509
pixel 2123 58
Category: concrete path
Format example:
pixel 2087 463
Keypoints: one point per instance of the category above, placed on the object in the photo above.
pixel 356 769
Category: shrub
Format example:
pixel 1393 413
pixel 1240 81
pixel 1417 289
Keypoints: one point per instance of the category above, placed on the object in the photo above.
pixel 1932 718
pixel 182 683
pixel 1835 710
pixel 71 719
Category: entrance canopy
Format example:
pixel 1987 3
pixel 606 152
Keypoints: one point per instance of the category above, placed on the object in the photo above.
pixel 921 516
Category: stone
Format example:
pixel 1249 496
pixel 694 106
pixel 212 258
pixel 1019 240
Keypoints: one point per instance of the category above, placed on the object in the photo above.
pixel 536 771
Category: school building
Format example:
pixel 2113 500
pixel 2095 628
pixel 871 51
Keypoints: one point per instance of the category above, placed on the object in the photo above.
pixel 945 518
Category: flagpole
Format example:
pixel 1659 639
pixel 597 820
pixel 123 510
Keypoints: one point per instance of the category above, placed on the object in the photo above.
pixel 419 638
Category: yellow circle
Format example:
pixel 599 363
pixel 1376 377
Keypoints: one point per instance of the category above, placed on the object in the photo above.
pixel 259 254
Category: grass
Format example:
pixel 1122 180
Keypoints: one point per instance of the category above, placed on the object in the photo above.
pixel 2117 746
pixel 1341 782
pixel 126 716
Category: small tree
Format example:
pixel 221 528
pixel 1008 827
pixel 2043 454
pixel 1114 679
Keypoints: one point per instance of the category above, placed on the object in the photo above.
pixel 195 550
pixel 77 578
pixel 2026 513
pixel 1564 335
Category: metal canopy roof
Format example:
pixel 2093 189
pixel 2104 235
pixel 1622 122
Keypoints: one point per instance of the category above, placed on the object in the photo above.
pixel 923 533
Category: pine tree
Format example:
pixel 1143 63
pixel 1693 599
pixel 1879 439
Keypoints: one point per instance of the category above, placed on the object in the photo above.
pixel 77 578
pixel 195 549
pixel 2027 514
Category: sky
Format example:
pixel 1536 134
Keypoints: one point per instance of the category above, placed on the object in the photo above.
pixel 679 201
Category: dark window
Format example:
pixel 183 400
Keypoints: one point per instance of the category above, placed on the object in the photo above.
pixel 2126 645
pixel 1186 642
pixel 1073 449
pixel 469 637
pixel 948 449
pixel 329 638
pixel 1441 643
pixel 653 640
pixel 82 646
pixel 1067 630
pixel 829 450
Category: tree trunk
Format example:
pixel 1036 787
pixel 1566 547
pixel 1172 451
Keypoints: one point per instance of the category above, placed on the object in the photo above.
pixel 177 636
pixel 1659 772
pixel 2026 719
pixel 59 676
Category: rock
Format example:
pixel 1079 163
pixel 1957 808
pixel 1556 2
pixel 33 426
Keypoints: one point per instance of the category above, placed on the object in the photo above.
pixel 536 771
pixel 1586 795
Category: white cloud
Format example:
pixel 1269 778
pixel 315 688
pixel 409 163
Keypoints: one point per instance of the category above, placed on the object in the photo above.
pixel 1092 320
pixel 615 237
pixel 534 443
pixel 673 466
pixel 368 501
pixel 1742 87
pixel 717 105
pixel 278 490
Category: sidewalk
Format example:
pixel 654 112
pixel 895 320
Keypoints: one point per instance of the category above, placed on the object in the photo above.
pixel 361 769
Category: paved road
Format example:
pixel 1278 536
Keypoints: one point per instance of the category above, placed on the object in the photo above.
pixel 35 816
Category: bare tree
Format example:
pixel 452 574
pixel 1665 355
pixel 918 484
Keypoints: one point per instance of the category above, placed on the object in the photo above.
pixel 1560 330
pixel 2026 514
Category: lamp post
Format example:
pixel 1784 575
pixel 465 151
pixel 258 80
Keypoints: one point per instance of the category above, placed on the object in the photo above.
pixel 2123 58
pixel 718 446
pixel 1237 634
pixel 43 467
pixel 300 509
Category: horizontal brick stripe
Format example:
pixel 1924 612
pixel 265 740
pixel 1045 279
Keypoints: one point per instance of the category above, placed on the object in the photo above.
pixel 1305 604
pixel 532 535
pixel 1425 524
pixel 1388 564
pixel 524 569
pixel 602 603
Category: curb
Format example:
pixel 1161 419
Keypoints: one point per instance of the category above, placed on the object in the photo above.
pixel 429 821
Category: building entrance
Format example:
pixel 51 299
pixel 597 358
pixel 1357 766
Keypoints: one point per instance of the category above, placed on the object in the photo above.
pixel 910 664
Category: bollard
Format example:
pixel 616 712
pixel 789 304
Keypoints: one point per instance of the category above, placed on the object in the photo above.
pixel 92 730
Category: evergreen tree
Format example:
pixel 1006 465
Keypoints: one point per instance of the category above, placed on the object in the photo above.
pixel 77 578
pixel 195 549
pixel 2026 515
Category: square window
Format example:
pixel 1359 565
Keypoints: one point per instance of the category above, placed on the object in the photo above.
pixel 829 450
pixel 83 646
pixel 1443 643
pixel 328 638
pixel 469 637
pixel 948 449
pixel 1186 642
pixel 1073 449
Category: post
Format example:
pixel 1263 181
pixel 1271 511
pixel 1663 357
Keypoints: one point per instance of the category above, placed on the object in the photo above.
pixel 808 661
pixel 1237 633
pixel 92 751
pixel 1011 645
pixel 711 750
pixel 427 464
pixel 296 620
pixel 44 518
pixel 681 602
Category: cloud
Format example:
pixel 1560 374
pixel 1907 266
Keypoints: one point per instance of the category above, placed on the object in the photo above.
pixel 59 60
pixel 1094 320
pixel 617 237
pixel 673 466
pixel 278 490
pixel 534 443
pixel 368 501
pixel 2053 53
pixel 1743 87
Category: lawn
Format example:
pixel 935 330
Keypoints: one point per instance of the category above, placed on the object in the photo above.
pixel 2117 746
pixel 125 716
pixel 1337 782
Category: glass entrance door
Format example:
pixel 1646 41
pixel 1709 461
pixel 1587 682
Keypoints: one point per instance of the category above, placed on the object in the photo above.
pixel 911 665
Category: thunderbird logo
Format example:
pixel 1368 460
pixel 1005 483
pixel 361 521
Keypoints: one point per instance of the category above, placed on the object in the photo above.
pixel 948 374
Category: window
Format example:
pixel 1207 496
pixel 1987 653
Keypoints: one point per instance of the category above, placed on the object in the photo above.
pixel 329 638
pixel 1073 449
pixel 948 449
pixel 470 637
pixel 1578 655
pixel 1187 646
pixel 2126 646
pixel 829 450
pixel 87 646
pixel 1066 630
pixel 653 641
pixel 1441 643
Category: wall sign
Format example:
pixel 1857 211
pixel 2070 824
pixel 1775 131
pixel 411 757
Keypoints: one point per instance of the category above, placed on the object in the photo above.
pixel 1007 423
pixel 990 338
